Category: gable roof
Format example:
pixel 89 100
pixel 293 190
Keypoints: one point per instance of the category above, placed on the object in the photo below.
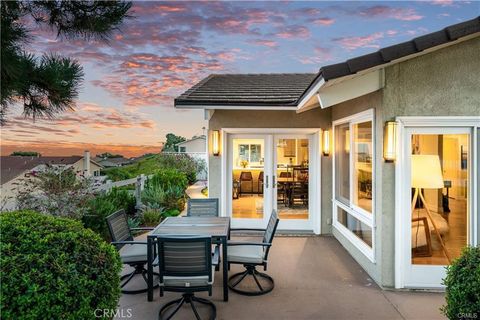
pixel 193 139
pixel 274 89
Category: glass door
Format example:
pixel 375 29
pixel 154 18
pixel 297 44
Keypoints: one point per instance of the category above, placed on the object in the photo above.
pixel 439 221
pixel 291 193
pixel 249 184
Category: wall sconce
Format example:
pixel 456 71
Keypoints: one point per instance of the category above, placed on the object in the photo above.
pixel 390 141
pixel 326 143
pixel 216 142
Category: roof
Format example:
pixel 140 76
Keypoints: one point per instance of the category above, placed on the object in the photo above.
pixel 114 161
pixel 288 89
pixel 193 139
pixel 397 51
pixel 273 89
pixel 13 166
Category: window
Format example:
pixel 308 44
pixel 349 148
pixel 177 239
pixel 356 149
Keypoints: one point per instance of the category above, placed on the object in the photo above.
pixel 354 179
pixel 248 153
pixel 183 149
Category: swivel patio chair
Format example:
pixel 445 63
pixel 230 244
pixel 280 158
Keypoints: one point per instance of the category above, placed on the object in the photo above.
pixel 202 207
pixel 132 252
pixel 250 255
pixel 186 266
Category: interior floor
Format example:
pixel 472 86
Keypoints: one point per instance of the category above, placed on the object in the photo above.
pixel 455 239
pixel 251 206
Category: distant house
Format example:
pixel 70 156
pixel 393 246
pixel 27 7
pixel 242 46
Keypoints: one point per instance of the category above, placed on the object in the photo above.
pixel 112 162
pixel 14 169
pixel 194 145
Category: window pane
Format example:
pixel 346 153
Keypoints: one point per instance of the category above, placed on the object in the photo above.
pixel 358 228
pixel 342 165
pixel 255 152
pixel 440 179
pixel 362 161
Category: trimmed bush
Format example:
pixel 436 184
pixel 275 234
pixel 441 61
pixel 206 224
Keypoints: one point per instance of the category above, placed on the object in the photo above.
pixel 151 217
pixel 463 286
pixel 168 178
pixel 54 268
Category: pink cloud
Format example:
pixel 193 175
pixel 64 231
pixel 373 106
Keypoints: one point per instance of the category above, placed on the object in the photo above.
pixel 382 11
pixel 352 43
pixel 293 32
pixel 443 3
pixel 324 21
pixel 321 55
pixel 264 42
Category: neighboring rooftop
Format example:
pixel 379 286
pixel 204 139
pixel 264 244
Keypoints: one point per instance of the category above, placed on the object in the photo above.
pixel 281 89
pixel 13 166
pixel 192 139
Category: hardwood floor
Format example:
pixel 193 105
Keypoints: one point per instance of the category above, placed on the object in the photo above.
pixel 251 206
pixel 455 239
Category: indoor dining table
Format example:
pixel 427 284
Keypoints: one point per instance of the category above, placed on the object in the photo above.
pixel 216 227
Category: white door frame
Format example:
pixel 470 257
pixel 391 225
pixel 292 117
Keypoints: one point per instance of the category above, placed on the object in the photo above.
pixel 402 191
pixel 315 162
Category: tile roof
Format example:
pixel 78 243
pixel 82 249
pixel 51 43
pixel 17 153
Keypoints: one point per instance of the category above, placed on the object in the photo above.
pixel 13 166
pixel 401 50
pixel 274 89
pixel 288 89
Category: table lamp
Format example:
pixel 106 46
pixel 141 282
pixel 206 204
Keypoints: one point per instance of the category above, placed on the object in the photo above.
pixel 427 174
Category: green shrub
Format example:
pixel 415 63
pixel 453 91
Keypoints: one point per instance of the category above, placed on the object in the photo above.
pixel 171 213
pixel 182 162
pixel 167 178
pixel 175 198
pixel 463 286
pixel 53 268
pixel 151 217
pixel 104 205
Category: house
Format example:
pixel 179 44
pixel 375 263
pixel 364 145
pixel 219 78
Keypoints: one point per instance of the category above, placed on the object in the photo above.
pixel 381 151
pixel 14 169
pixel 112 161
pixel 197 144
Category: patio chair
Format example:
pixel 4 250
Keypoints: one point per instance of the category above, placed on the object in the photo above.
pixel 186 266
pixel 202 207
pixel 250 255
pixel 132 252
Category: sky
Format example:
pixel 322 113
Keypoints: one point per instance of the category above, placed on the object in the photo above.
pixel 126 101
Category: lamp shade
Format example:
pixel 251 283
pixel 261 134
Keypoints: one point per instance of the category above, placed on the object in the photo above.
pixel 426 171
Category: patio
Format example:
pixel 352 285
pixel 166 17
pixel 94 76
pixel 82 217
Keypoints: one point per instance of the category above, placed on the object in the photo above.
pixel 315 278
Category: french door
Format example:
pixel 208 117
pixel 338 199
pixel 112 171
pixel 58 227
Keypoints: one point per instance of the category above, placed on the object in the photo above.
pixel 438 216
pixel 268 172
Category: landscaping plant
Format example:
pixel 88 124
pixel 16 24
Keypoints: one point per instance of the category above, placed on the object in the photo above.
pixel 463 286
pixel 54 268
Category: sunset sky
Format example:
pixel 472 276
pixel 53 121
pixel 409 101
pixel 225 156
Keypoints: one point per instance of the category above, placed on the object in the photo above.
pixel 126 102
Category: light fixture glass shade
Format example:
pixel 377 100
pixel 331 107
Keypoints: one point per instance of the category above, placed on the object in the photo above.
pixel 216 142
pixel 326 143
pixel 426 171
pixel 390 141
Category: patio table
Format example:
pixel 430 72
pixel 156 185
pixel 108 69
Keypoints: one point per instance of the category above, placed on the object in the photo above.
pixel 216 227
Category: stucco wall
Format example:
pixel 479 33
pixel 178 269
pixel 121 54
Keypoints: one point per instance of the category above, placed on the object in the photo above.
pixel 316 118
pixel 197 145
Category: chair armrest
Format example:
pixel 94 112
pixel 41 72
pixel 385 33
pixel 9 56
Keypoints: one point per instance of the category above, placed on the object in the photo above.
pixel 128 242
pixel 242 243
pixel 245 229
pixel 216 256
pixel 142 228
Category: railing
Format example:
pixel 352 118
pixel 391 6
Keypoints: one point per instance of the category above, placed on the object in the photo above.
pixel 139 182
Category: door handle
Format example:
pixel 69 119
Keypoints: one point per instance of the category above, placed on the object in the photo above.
pixel 274 185
pixel 266 182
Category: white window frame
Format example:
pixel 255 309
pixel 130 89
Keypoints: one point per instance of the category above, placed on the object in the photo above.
pixel 352 209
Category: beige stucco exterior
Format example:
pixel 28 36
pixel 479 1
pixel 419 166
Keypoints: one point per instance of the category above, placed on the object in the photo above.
pixel 445 82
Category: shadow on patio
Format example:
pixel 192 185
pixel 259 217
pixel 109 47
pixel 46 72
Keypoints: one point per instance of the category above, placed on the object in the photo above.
pixel 315 278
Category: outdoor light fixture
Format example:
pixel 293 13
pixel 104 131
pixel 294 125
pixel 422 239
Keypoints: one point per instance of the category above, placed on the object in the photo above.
pixel 390 141
pixel 326 143
pixel 216 142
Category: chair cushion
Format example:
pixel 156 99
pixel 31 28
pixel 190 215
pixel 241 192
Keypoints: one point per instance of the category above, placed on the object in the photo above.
pixel 245 254
pixel 130 253
pixel 187 282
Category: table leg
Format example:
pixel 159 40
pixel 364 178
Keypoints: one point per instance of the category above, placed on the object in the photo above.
pixel 149 269
pixel 225 268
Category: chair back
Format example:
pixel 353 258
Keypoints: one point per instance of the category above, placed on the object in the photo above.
pixel 285 174
pixel 202 207
pixel 246 176
pixel 260 176
pixel 118 226
pixel 186 256
pixel 270 231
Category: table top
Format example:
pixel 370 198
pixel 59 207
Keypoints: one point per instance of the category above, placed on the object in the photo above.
pixel 212 226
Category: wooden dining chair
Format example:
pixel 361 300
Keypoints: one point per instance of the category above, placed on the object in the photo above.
pixel 246 176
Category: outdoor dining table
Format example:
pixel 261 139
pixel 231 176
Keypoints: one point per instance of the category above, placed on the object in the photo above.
pixel 216 227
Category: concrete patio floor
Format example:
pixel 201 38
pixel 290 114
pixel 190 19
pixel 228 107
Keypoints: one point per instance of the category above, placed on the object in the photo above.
pixel 315 278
